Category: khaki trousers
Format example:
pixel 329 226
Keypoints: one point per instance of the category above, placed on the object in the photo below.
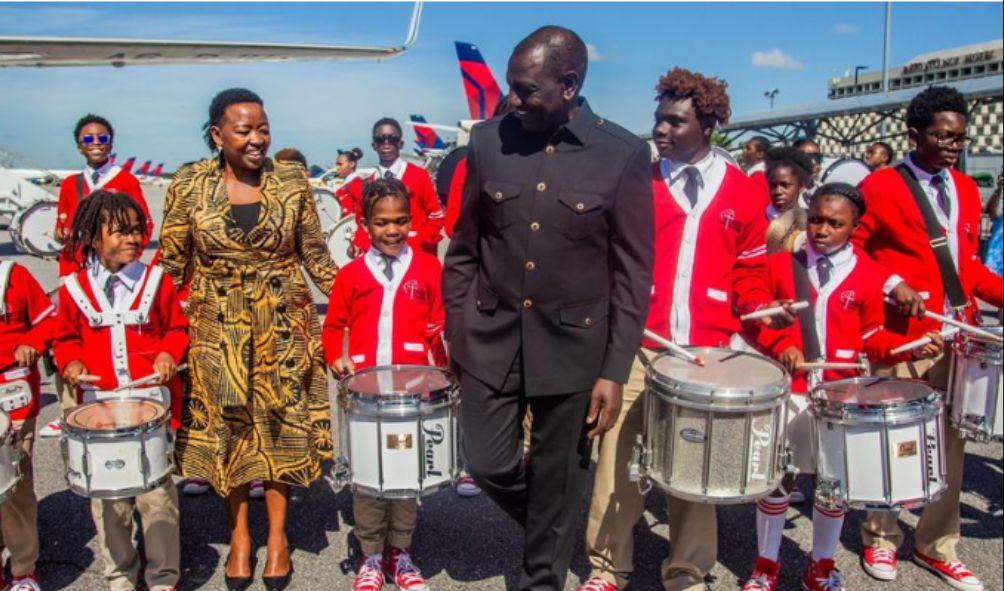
pixel 19 513
pixel 158 510
pixel 66 394
pixel 938 529
pixel 617 505
pixel 383 521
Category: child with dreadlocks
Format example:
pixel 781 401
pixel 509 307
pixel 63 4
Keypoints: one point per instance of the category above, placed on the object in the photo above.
pixel 389 301
pixel 118 320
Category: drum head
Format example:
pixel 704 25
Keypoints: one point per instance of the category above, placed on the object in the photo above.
pixel 726 373
pixel 33 230
pixel 845 170
pixel 396 381
pixel 871 392
pixel 115 415
pixel 329 210
pixel 340 239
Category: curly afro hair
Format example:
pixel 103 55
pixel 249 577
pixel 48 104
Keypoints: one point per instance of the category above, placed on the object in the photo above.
pixel 88 119
pixel 711 101
pixel 792 158
pixel 935 99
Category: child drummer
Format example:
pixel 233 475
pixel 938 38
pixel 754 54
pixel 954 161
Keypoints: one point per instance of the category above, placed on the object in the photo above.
pixel 389 301
pixel 844 320
pixel 26 319
pixel 109 230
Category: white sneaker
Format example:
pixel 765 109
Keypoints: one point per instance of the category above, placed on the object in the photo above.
pixel 195 486
pixel 27 583
pixel 52 429
pixel 257 490
pixel 466 487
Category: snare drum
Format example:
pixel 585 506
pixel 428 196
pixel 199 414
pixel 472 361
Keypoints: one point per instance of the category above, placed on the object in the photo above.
pixel 10 457
pixel 976 388
pixel 715 434
pixel 879 444
pixel 339 241
pixel 329 210
pixel 117 448
pixel 398 431
pixel 845 170
pixel 15 389
pixel 33 230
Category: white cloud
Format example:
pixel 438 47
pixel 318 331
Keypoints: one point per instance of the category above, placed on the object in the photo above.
pixel 594 53
pixel 775 58
pixel 846 29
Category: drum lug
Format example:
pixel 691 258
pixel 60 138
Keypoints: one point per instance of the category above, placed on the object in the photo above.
pixel 829 494
pixel 340 476
pixel 789 462
pixel 636 470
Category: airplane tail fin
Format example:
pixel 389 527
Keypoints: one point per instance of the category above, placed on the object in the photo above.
pixel 157 170
pixel 127 166
pixel 111 158
pixel 483 92
pixel 144 169
pixel 426 137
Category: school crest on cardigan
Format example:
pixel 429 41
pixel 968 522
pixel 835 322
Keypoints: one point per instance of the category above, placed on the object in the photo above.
pixel 728 219
pixel 847 299
pixel 415 292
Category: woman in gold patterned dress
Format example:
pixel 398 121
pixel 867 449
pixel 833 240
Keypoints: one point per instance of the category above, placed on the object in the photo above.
pixel 238 228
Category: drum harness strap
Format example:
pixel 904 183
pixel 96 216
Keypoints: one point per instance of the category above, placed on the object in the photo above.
pixel 5 268
pixel 806 316
pixel 118 321
pixel 939 241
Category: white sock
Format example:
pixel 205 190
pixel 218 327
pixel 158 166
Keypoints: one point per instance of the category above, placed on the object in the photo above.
pixel 770 518
pixel 826 524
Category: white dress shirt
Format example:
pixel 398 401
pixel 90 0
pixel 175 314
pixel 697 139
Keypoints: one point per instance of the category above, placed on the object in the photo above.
pixel 712 170
pixel 125 290
pixel 106 172
pixel 385 326
pixel 396 169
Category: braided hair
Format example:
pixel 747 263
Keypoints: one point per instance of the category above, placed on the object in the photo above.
pixel 845 190
pixel 378 189
pixel 101 208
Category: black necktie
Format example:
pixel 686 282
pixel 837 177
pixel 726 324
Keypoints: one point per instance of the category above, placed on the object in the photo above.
pixel 110 285
pixel 692 184
pixel 94 178
pixel 823 267
pixel 388 175
pixel 938 182
pixel 388 265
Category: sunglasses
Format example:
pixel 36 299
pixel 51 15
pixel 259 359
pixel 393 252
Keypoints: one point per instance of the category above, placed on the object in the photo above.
pixel 386 139
pixel 90 138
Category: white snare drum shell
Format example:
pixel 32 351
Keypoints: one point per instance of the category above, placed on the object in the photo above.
pixel 977 388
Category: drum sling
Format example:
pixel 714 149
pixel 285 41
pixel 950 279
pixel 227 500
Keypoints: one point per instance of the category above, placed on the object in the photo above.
pixel 939 241
pixel 807 315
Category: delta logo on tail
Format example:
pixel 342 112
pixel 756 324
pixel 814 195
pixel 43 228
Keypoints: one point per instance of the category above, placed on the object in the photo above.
pixel 483 92
pixel 111 158
pixel 127 166
pixel 157 170
pixel 144 169
pixel 425 136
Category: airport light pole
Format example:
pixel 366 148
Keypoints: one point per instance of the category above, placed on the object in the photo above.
pixel 770 94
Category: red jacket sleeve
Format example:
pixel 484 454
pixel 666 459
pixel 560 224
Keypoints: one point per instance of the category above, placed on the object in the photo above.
pixel 431 232
pixel 456 196
pixel 336 320
pixel 773 341
pixel 67 202
pixel 877 342
pixel 67 343
pixel 437 320
pixel 174 323
pixel 749 287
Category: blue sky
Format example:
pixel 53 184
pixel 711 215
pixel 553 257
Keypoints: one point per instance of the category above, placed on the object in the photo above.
pixel 321 106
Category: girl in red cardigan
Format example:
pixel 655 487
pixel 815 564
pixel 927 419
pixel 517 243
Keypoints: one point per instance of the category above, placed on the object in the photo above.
pixel 119 304
pixel 847 310
pixel 389 301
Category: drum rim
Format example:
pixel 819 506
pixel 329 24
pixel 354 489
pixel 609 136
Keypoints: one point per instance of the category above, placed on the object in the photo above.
pixel 447 394
pixel 825 174
pixel 16 233
pixel 722 397
pixel 975 346
pixel 142 427
pixel 925 406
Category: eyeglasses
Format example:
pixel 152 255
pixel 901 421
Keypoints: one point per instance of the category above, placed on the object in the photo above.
pixel 815 157
pixel 386 139
pixel 946 139
pixel 90 138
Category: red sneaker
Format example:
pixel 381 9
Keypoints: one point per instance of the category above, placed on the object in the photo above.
pixel 370 575
pixel 597 584
pixel 823 576
pixel 880 563
pixel 953 572
pixel 403 571
pixel 764 577
pixel 29 582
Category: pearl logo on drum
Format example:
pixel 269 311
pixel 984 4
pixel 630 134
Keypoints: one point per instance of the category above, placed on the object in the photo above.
pixel 434 436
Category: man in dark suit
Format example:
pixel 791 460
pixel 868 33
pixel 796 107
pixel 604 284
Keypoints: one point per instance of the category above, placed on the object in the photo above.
pixel 546 286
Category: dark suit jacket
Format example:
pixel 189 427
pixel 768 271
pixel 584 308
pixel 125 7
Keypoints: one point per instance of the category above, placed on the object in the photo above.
pixel 552 254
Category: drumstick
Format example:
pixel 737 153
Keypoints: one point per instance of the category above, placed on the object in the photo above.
pixel 829 365
pixel 86 377
pixel 963 326
pixel 155 375
pixel 922 341
pixel 765 312
pixel 677 349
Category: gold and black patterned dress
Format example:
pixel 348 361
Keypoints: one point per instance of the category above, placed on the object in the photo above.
pixel 258 405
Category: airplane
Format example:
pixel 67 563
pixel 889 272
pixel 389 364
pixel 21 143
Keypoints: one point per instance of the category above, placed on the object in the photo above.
pixel 425 136
pixel 144 169
pixel 483 92
pixel 128 164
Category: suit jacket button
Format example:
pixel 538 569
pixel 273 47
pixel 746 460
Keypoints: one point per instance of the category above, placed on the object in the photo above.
pixel 549 150
pixel 530 265
pixel 588 321
pixel 541 187
pixel 290 362
pixel 220 317
pixel 535 226
pixel 580 206
pixel 221 291
pixel 527 303
pixel 478 303
pixel 284 335
pixel 498 196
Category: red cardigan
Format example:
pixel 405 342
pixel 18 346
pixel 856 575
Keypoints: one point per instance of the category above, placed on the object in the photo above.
pixel 27 319
pixel 69 201
pixel 166 331
pixel 728 268
pixel 853 319
pixel 893 233
pixel 406 323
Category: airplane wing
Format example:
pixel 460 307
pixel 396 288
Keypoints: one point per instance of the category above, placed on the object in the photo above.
pixel 65 51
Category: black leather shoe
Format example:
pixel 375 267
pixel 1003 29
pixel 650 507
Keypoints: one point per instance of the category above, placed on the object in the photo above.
pixel 238 583
pixel 279 583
